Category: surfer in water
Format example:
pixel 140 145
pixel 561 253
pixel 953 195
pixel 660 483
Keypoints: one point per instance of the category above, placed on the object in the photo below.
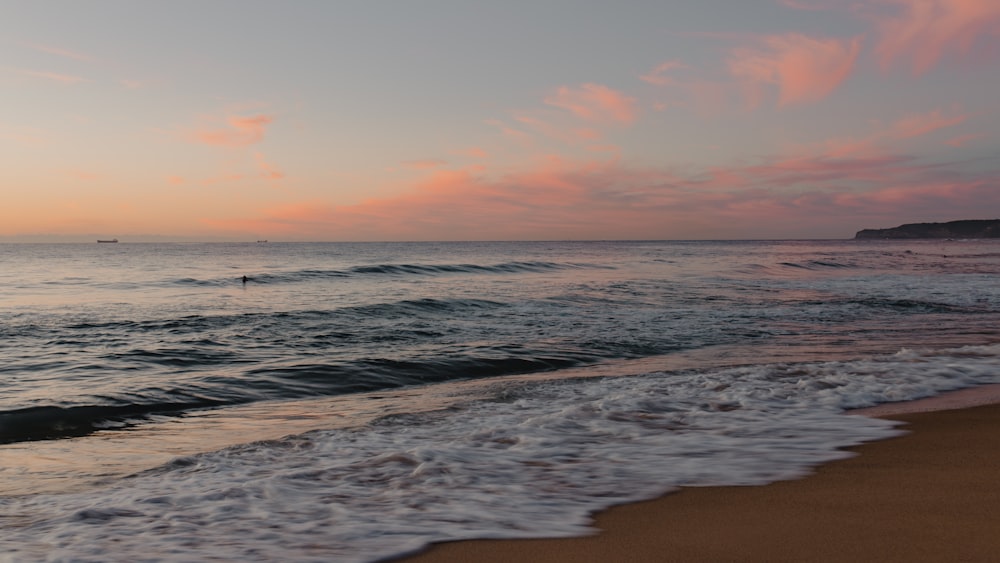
pixel 245 280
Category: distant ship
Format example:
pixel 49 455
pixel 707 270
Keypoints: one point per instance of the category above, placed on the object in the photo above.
pixel 112 240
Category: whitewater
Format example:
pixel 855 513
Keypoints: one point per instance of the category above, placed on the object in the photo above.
pixel 355 402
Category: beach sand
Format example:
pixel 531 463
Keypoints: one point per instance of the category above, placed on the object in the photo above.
pixel 931 495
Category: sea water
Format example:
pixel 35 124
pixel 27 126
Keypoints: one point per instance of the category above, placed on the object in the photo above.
pixel 353 402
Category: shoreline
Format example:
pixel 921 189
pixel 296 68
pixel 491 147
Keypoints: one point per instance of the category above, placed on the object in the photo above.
pixel 928 495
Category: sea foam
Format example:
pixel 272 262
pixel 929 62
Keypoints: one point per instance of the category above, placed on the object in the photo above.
pixel 533 459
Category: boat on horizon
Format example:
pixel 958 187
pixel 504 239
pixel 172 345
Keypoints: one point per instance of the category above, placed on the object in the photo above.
pixel 108 241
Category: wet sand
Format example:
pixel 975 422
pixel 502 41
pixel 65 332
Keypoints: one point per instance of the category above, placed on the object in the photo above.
pixel 931 495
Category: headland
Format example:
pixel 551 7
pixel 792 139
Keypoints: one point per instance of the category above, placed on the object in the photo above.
pixel 964 229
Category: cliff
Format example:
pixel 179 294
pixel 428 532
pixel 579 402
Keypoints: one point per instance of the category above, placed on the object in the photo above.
pixel 988 228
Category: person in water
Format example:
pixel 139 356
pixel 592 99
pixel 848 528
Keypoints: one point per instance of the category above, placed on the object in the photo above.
pixel 245 279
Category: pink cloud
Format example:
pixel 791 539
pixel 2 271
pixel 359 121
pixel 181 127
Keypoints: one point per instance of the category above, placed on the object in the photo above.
pixel 927 30
pixel 267 170
pixel 877 143
pixel 598 106
pixel 659 75
pixel 568 135
pixel 586 134
pixel 556 198
pixel 472 152
pixel 450 204
pixel 222 179
pixel 242 131
pixel 942 200
pixel 595 102
pixel 61 52
pixel 516 135
pixel 820 170
pixel 804 69
pixel 425 164
pixel 708 98
pixel 963 140
pixel 850 147
pixel 919 125
pixel 56 77
pixel 175 180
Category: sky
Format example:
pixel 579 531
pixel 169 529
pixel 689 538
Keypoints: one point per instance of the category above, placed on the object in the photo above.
pixel 341 120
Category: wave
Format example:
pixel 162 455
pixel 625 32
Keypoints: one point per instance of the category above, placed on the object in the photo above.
pixel 383 373
pixel 54 422
pixel 387 270
pixel 916 305
pixel 197 324
pixel 550 453
pixel 281 381
pixel 505 268
pixel 816 265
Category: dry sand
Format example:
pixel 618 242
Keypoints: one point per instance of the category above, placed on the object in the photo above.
pixel 931 495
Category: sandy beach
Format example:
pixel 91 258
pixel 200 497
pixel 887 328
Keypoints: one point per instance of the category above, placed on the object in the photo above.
pixel 930 495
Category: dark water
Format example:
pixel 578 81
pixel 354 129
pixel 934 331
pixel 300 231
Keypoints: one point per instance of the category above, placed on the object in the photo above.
pixel 133 372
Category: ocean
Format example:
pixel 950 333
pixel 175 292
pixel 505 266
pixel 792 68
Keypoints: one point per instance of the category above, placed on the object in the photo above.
pixel 355 402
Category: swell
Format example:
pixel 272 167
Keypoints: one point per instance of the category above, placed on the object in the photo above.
pixel 912 306
pixel 280 381
pixel 374 374
pixel 396 270
pixel 817 265
pixel 100 371
pixel 431 269
pixel 201 323
pixel 54 422
pixel 355 272
pixel 114 374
